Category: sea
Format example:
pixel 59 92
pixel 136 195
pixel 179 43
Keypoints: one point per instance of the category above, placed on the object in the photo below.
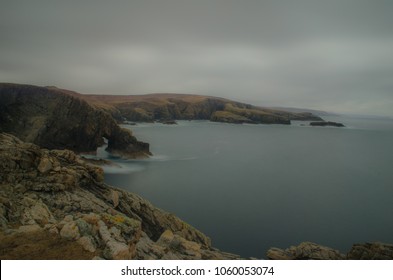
pixel 250 187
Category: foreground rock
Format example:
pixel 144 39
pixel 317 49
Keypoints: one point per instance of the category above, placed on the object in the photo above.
pixel 312 251
pixel 53 205
pixel 371 251
pixel 58 119
pixel 305 251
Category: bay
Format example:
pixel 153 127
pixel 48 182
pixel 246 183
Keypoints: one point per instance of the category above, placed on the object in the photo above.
pixel 252 187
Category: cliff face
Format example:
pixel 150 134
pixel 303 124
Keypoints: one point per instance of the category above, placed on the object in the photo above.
pixel 57 120
pixel 54 205
pixel 153 107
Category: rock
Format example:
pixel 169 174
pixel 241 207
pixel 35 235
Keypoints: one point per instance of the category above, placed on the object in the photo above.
pixel 116 234
pixel 104 232
pixel 305 251
pixel 70 231
pixel 53 230
pixel 169 122
pixel 187 247
pixel 115 198
pixel 170 256
pixel 85 229
pixel 91 218
pixel 115 250
pixel 87 243
pixel 28 202
pixel 371 251
pixel 323 123
pixel 156 221
pixel 68 218
pixel 40 213
pixel 179 245
pixel 29 228
pixel 146 249
pixel 279 254
pixel 166 237
pixel 45 165
pixel 228 117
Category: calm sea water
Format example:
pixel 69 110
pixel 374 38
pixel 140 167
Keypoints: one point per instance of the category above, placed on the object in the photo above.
pixel 252 187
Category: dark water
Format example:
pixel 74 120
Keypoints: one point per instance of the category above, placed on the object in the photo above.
pixel 251 187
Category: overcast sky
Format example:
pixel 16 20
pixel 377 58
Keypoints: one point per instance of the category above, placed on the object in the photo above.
pixel 334 55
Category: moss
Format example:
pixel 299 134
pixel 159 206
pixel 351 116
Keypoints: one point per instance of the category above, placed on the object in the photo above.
pixel 121 221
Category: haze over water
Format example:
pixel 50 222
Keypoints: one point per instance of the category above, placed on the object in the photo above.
pixel 252 187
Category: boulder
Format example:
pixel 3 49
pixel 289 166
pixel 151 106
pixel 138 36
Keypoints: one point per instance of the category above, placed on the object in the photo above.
pixel 305 251
pixel 87 243
pixel 70 231
pixel 45 165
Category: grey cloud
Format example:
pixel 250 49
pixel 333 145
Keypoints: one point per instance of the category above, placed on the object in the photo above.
pixel 333 55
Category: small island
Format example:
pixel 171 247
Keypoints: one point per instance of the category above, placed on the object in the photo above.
pixel 324 123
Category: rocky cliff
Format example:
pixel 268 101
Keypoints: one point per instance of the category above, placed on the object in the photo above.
pixel 312 251
pixel 53 205
pixel 152 107
pixel 55 119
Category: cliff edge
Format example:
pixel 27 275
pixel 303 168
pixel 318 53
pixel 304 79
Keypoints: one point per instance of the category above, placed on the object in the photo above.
pixel 57 120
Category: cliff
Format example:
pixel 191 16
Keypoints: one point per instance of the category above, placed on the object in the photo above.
pixel 53 205
pixel 48 110
pixel 56 119
pixel 152 107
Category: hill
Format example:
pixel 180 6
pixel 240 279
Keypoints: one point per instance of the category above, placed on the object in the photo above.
pixel 169 106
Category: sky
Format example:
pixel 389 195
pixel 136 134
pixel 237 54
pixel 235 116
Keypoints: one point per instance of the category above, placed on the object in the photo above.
pixel 333 55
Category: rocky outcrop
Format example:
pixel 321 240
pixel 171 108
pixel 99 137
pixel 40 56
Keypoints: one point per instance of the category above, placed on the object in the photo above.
pixel 54 205
pixel 305 251
pixel 371 251
pixel 242 113
pixel 312 251
pixel 56 119
pixel 228 117
pixel 327 124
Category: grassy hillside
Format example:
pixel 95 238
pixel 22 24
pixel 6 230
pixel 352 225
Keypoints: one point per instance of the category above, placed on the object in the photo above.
pixel 168 106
